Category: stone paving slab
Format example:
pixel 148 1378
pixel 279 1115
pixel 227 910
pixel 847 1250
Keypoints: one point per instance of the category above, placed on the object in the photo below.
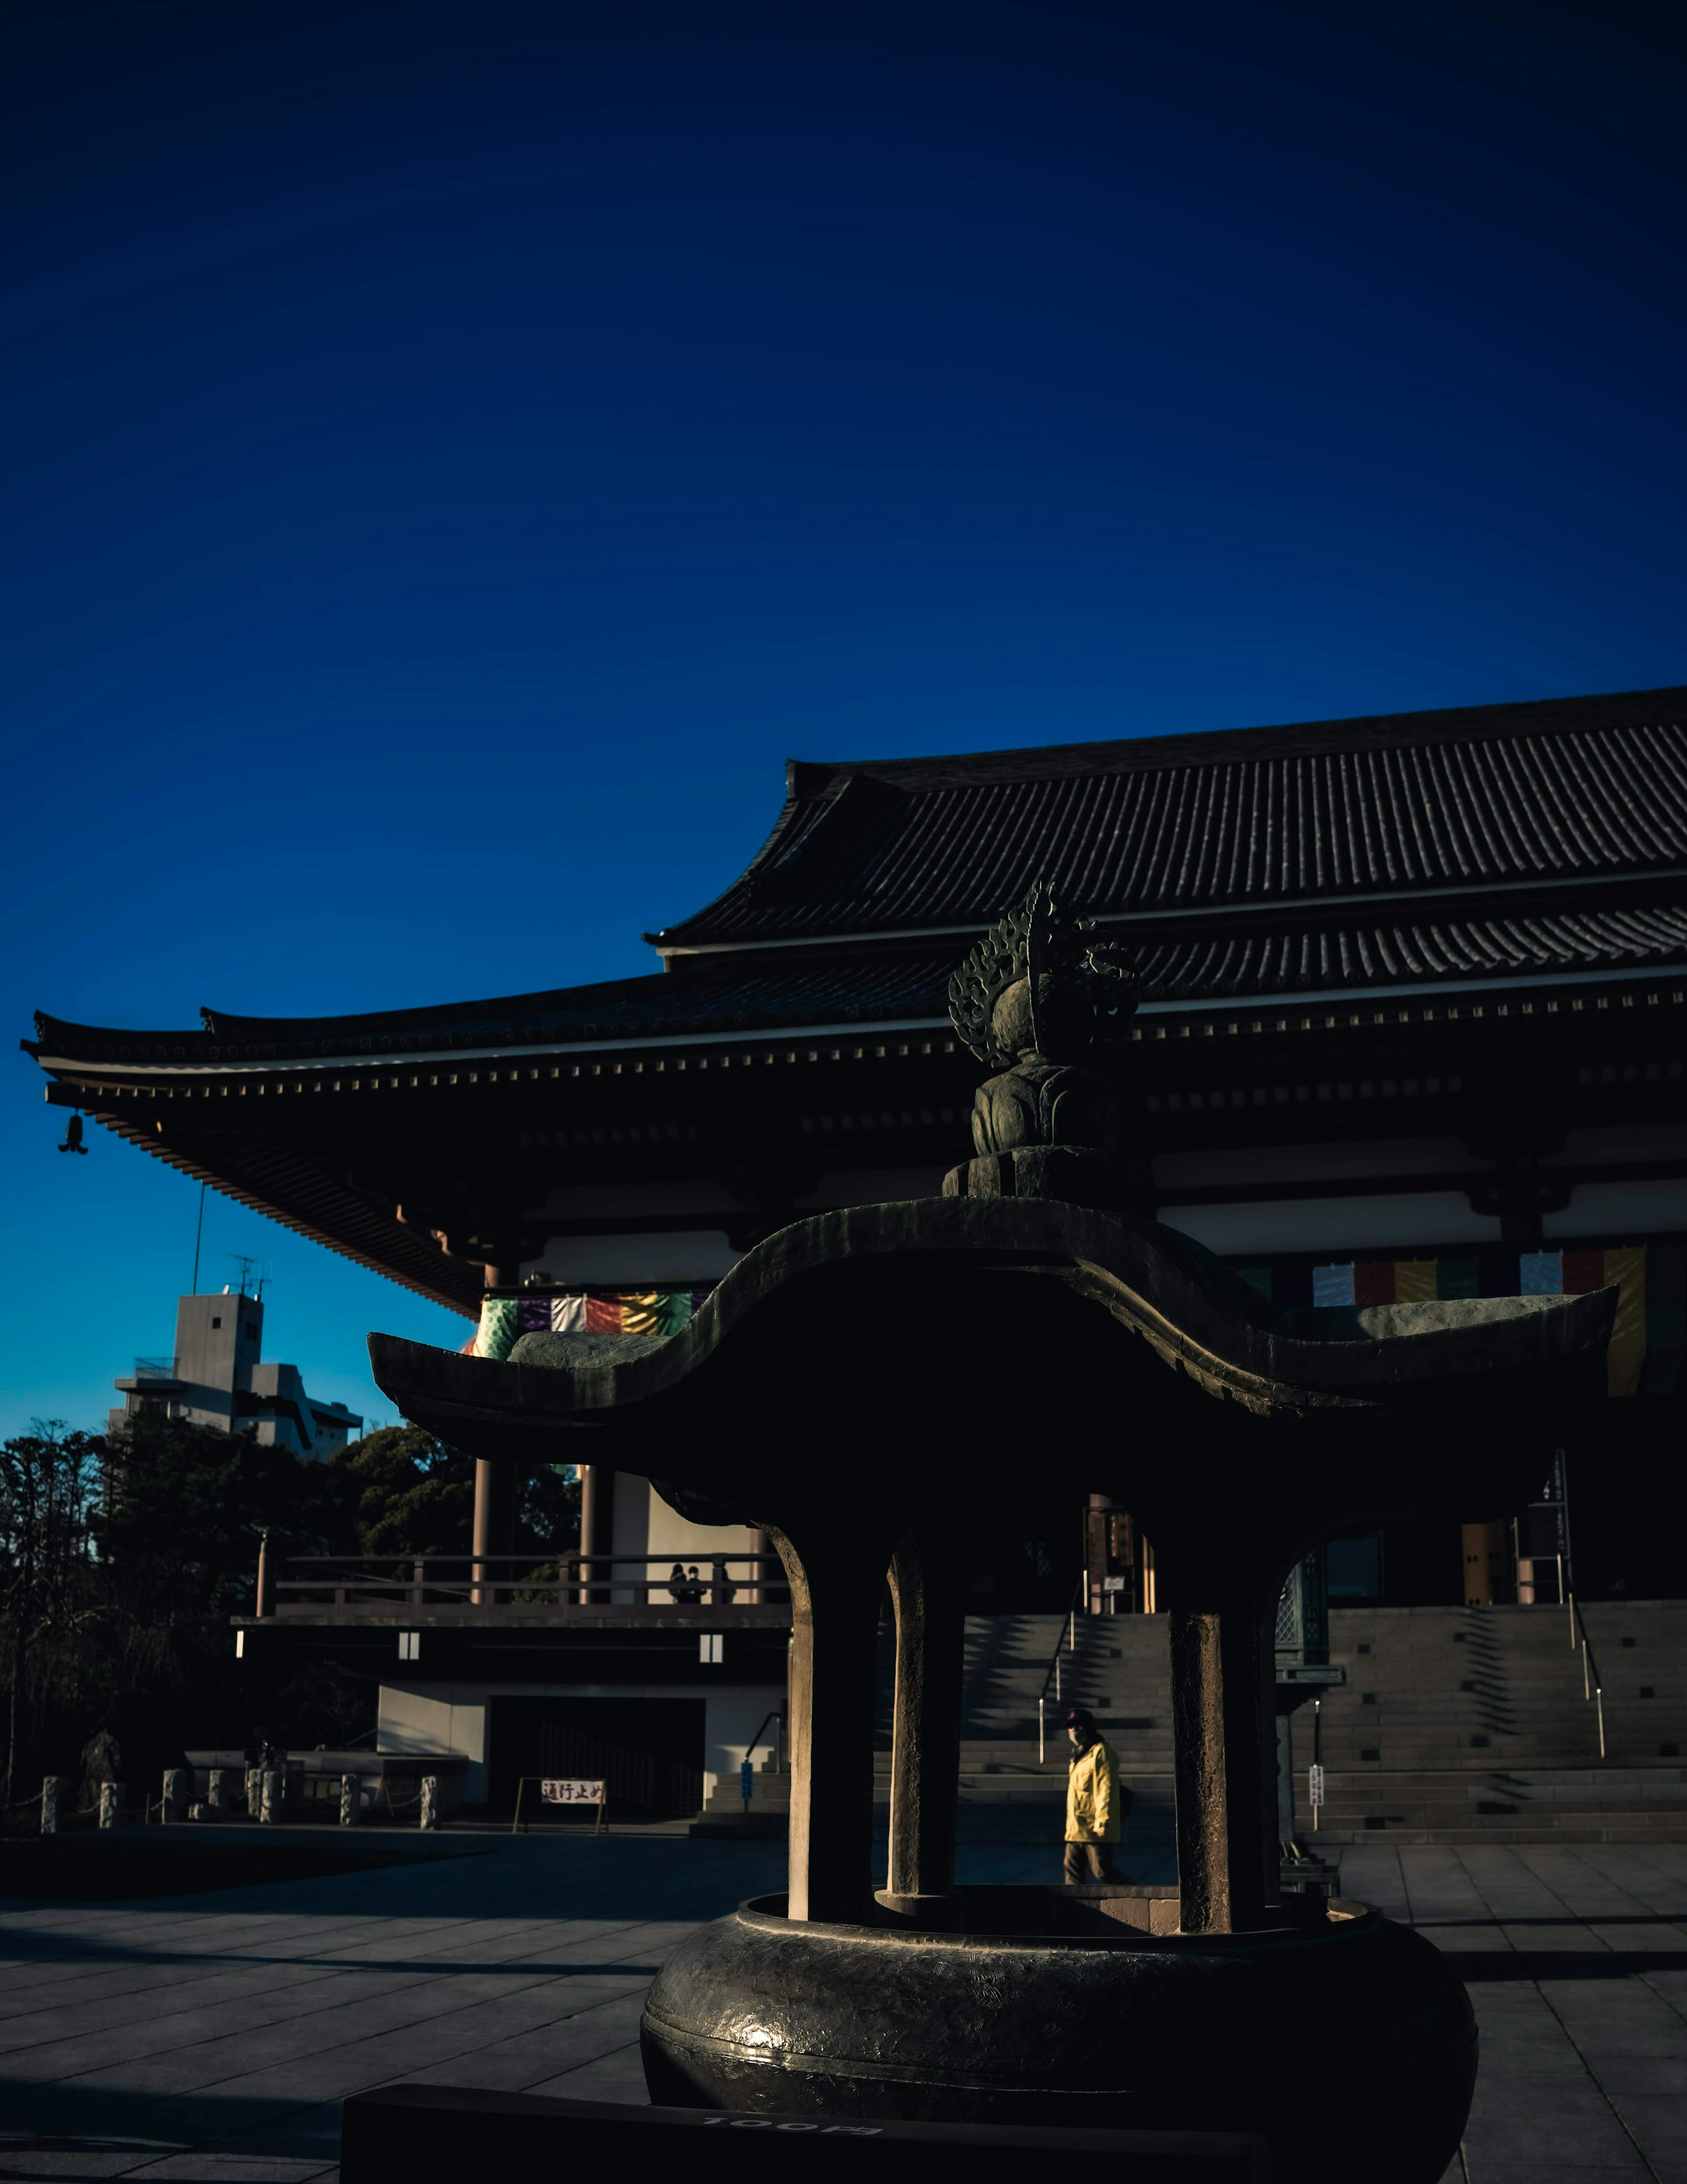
pixel 210 2040
pixel 1573 1960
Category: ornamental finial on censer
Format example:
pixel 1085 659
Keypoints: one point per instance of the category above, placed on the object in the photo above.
pixel 1047 1004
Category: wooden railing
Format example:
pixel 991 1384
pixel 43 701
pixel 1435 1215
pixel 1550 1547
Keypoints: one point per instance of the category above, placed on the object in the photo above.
pixel 371 1585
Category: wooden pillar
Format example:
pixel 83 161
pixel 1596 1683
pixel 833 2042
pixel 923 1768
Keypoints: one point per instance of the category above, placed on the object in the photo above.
pixel 494 1520
pixel 1224 1756
pixel 494 1524
pixel 835 1591
pixel 925 1760
pixel 597 1527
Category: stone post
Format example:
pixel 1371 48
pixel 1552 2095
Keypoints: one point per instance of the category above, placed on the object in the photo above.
pixel 1223 1732
pixel 176 1782
pixel 835 1583
pixel 273 1790
pixel 254 1792
pixel 216 1793
pixel 49 1806
pixel 265 1604
pixel 430 1801
pixel 350 1801
pixel 925 1761
pixel 110 1804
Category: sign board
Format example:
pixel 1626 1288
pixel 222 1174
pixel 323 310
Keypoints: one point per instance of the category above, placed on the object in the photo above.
pixel 568 1792
pixel 1315 1786
pixel 1112 1584
pixel 563 1790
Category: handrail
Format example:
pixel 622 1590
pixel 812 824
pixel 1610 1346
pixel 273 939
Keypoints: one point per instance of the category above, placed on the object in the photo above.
pixel 1591 1687
pixel 482 1579
pixel 773 1713
pixel 1068 1640
pixel 528 1561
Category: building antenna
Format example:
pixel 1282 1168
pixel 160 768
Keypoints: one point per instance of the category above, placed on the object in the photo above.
pixel 199 1232
pixel 247 1277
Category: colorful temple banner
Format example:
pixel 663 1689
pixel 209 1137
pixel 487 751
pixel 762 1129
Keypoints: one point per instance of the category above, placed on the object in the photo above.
pixel 1646 1343
pixel 505 1320
pixel 1650 1280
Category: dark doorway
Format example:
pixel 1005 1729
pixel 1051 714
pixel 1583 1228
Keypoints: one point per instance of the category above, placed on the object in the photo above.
pixel 649 1750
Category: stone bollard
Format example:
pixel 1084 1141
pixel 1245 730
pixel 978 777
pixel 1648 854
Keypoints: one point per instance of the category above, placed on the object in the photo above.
pixel 49 1806
pixel 254 1792
pixel 270 1795
pixel 110 1804
pixel 216 1793
pixel 176 1784
pixel 199 1811
pixel 430 1801
pixel 350 1801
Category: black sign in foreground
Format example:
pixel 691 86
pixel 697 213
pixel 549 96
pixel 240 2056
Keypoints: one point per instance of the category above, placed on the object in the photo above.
pixel 451 2131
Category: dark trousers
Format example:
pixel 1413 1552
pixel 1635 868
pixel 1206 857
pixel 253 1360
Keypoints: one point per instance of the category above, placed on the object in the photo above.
pixel 1090 1861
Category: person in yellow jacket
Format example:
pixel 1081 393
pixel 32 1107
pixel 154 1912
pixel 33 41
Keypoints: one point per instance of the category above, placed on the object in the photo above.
pixel 1097 1803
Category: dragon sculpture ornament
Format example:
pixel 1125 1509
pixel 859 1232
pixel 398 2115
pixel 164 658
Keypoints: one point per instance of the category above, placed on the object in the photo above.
pixel 1047 1004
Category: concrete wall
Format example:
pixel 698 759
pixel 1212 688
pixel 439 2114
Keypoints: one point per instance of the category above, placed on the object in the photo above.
pixel 646 1525
pixel 214 1348
pixel 439 1719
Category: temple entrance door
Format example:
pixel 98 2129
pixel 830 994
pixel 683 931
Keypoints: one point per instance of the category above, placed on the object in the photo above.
pixel 649 1750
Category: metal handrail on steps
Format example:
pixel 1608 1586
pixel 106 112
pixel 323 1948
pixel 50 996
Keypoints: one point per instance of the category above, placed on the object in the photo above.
pixel 773 1714
pixel 1591 1688
pixel 1067 1642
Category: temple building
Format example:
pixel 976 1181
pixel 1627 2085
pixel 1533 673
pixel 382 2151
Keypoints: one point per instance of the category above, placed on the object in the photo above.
pixel 1414 994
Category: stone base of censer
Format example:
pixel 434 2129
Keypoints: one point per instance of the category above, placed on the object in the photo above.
pixel 1340 2031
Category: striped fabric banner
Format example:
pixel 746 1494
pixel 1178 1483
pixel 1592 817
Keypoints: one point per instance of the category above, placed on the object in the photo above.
pixel 1646 1344
pixel 1650 1280
pixel 505 1320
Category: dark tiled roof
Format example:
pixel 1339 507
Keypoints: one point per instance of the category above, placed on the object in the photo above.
pixel 1567 789
pixel 1413 951
pixel 727 994
pixel 711 1000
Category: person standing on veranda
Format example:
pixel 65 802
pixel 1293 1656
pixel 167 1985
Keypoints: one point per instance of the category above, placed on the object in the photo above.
pixel 1097 1803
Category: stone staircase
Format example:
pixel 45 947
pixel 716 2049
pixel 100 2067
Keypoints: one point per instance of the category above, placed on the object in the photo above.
pixel 1117 1668
pixel 1455 1725
pixel 1470 1725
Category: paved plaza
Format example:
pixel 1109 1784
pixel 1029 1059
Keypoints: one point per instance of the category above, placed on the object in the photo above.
pixel 213 2037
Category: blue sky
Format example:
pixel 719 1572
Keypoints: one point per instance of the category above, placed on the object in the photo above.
pixel 456 454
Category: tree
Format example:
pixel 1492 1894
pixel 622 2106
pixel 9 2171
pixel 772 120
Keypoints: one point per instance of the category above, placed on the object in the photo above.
pixel 49 1481
pixel 122 1560
pixel 406 1493
pixel 184 1510
pixel 403 1492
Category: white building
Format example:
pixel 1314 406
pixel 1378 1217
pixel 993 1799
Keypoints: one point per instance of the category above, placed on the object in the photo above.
pixel 217 1377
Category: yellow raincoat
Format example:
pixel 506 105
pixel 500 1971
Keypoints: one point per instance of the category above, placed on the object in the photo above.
pixel 1093 1802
